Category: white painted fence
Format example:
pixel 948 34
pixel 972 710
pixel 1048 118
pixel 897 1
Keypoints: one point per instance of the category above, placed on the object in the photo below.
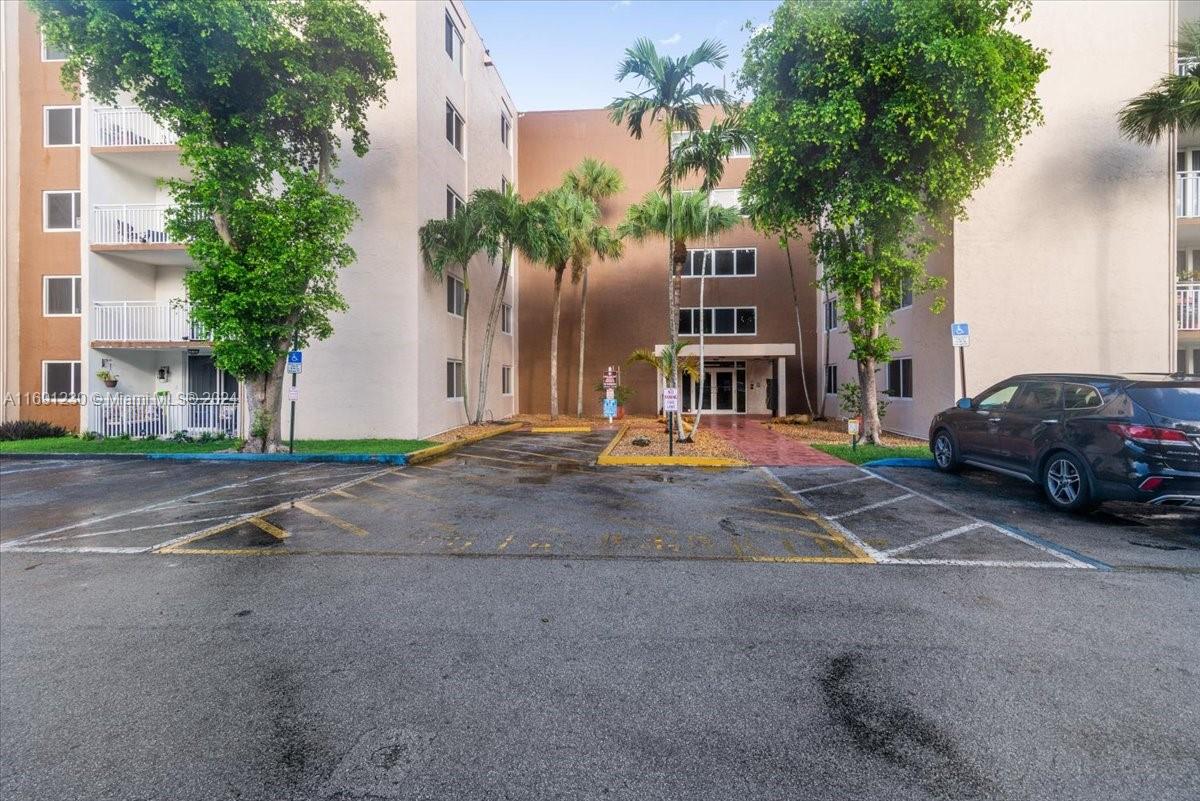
pixel 1187 193
pixel 1187 306
pixel 147 416
pixel 130 224
pixel 143 321
pixel 127 127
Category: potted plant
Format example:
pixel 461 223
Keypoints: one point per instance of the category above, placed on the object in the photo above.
pixel 108 378
pixel 621 393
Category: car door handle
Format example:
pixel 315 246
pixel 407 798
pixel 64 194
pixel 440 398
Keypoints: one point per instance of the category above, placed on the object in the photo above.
pixel 993 419
pixel 1049 422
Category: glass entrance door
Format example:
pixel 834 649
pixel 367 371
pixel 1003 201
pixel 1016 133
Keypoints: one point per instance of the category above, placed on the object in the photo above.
pixel 722 384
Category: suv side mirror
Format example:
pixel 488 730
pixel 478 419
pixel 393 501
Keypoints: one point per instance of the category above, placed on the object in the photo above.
pixel 965 403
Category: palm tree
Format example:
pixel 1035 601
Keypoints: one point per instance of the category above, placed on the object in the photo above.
pixel 1174 102
pixel 570 219
pixel 596 181
pixel 667 94
pixel 668 363
pixel 689 217
pixel 450 243
pixel 707 152
pixel 507 224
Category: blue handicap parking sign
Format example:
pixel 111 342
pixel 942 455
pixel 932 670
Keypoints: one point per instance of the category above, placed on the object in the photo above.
pixel 295 361
pixel 610 407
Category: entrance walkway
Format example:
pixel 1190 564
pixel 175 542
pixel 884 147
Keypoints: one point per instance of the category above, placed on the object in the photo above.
pixel 762 446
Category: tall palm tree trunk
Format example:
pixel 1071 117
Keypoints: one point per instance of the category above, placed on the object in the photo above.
pixel 558 276
pixel 489 335
pixel 672 290
pixel 466 320
pixel 787 247
pixel 703 273
pixel 582 339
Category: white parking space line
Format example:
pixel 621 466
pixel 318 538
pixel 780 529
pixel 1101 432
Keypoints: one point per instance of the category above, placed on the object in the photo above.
pixel 44 466
pixel 931 539
pixel 79 549
pixel 831 485
pixel 870 506
pixel 187 522
pixel 874 553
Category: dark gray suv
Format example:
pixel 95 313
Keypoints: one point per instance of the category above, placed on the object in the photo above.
pixel 1082 438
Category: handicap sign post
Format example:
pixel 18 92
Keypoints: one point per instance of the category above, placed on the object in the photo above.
pixel 960 337
pixel 610 409
pixel 295 363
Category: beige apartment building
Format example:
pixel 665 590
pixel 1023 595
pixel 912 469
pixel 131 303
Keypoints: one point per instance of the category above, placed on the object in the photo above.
pixel 93 283
pixel 1066 260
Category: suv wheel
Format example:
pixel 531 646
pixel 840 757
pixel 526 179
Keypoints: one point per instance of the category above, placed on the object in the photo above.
pixel 1065 482
pixel 945 452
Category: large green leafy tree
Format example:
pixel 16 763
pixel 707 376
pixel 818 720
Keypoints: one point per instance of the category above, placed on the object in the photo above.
pixel 874 121
pixel 261 94
pixel 668 98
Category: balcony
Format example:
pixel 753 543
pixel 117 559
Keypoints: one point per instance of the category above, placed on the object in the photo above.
pixel 148 416
pixel 1187 193
pixel 136 231
pixel 143 324
pixel 129 127
pixel 1187 306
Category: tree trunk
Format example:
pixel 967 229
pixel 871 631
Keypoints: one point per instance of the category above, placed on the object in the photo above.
pixel 582 338
pixel 558 276
pixel 466 319
pixel 700 380
pixel 799 329
pixel 489 334
pixel 870 401
pixel 825 372
pixel 672 290
pixel 264 403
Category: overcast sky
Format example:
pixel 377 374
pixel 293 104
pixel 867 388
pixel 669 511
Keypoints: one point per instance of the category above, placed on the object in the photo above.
pixel 555 54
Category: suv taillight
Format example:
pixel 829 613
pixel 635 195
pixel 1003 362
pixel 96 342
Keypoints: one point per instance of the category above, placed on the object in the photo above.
pixel 1148 435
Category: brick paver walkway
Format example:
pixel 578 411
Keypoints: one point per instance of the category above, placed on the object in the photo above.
pixel 762 446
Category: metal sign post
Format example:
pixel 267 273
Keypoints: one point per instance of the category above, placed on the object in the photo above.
pixel 960 337
pixel 610 393
pixel 671 407
pixel 295 363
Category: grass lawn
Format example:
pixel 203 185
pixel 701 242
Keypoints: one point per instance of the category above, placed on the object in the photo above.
pixel 869 453
pixel 360 445
pixel 76 445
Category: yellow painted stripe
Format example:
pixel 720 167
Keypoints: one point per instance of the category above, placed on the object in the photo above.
pixel 786 494
pixel 345 525
pixel 273 530
pixel 444 448
pixel 561 430
pixel 202 535
pixel 344 494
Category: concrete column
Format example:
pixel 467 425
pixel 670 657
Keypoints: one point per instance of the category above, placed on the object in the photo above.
pixel 781 386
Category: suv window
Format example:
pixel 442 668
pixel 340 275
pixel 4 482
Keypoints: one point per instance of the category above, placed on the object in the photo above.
pixel 1181 403
pixel 1081 396
pixel 997 398
pixel 1039 396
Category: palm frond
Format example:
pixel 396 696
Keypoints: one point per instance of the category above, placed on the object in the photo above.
pixel 1174 101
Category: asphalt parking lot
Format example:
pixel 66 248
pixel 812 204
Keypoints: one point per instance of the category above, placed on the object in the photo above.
pixel 541 495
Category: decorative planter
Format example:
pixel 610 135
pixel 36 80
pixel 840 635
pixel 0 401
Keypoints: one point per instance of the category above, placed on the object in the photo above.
pixel 620 413
pixel 111 383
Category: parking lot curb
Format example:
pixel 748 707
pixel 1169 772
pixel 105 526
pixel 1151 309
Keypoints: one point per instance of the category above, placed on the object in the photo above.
pixel 434 451
pixel 336 458
pixel 607 459
pixel 928 464
pixel 560 430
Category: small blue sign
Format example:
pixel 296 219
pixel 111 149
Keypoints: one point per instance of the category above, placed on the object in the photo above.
pixel 295 361
pixel 610 407
pixel 960 329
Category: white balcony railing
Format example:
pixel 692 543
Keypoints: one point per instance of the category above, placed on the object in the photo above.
pixel 1187 306
pixel 130 224
pixel 1185 65
pixel 1187 193
pixel 127 127
pixel 143 321
pixel 148 416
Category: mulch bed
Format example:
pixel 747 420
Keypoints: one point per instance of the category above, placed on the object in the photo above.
pixel 832 432
pixel 706 443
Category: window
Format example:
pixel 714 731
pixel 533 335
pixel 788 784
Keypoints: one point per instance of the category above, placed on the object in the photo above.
pixel 831 384
pixel 455 379
pixel 723 321
pixel 60 126
pixel 997 398
pixel 453 203
pixel 505 128
pixel 454 43
pixel 1039 396
pixel 831 320
pixel 454 127
pixel 721 262
pixel 456 296
pixel 505 380
pixel 1081 396
pixel 906 295
pixel 729 198
pixel 61 380
pixel 51 53
pixel 506 319
pixel 61 295
pixel 900 378
pixel 60 211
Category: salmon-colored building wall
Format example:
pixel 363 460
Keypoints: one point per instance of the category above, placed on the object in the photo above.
pixel 627 299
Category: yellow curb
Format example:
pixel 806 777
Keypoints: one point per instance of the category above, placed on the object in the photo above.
pixel 434 451
pixel 561 430
pixel 607 458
